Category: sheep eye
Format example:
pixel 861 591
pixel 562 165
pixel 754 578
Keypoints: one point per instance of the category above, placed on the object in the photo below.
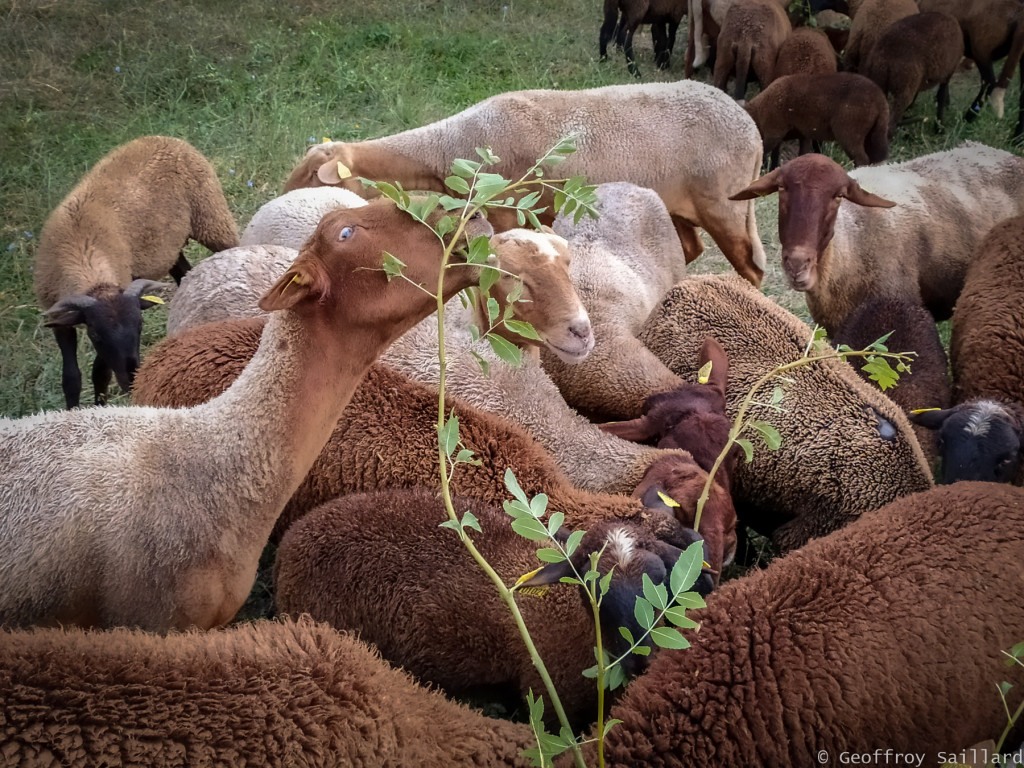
pixel 346 233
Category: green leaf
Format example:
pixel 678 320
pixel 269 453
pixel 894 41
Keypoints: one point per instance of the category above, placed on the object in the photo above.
pixel 609 724
pixel 590 672
pixel 879 371
pixel 485 365
pixel 777 394
pixel 677 615
pixel 687 569
pixel 573 542
pixel 469 521
pixel 690 600
pixel 520 219
pixel 539 505
pixel 488 277
pixel 395 193
pixel 506 350
pixel 512 486
pixel 466 456
pixel 642 650
pixel 488 185
pixel 515 508
pixel 615 678
pixel 457 184
pixel 655 593
pixel 532 216
pixel 516 293
pixel 820 334
pixel 627 635
pixel 421 207
pixel 393 266
pixel 528 201
pixel 644 613
pixel 453 524
pixel 492 309
pixel 479 250
pixel 878 345
pixel 550 555
pixel 448 434
pixel 668 637
pixel 487 156
pixel 445 225
pixel 748 448
pixel 474 331
pixel 523 329
pixel 465 168
pixel 605 583
pixel 450 203
pixel 770 435
pixel 555 521
pixel 530 528
pixel 1017 652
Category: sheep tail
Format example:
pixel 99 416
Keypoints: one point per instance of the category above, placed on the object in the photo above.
pixel 876 144
pixel 743 56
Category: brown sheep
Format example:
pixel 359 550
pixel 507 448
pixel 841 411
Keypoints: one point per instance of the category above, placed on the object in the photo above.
pixel 913 55
pixel 841 106
pixel 387 438
pixel 886 634
pixel 664 16
pixel 982 436
pixel 870 19
pixel 807 51
pixel 912 329
pixel 264 694
pixel 123 226
pixel 750 38
pixel 156 518
pixel 381 565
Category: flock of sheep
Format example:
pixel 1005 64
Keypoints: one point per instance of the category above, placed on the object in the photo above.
pixel 295 401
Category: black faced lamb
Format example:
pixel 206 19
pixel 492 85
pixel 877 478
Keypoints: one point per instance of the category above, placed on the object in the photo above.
pixel 264 694
pixel 888 633
pixel 912 55
pixel 380 565
pixel 749 42
pixel 156 518
pixel 690 143
pixel 622 17
pixel 910 328
pixel 845 447
pixel 842 107
pixel 841 253
pixel 870 19
pixel 981 436
pixel 122 227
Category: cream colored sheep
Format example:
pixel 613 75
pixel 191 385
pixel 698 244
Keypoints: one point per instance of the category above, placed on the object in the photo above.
pixel 688 142
pixel 156 517
pixel 128 218
pixel 290 219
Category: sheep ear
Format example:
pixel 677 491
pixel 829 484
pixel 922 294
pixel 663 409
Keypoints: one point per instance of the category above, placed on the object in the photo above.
pixel 549 574
pixel 857 195
pixel 931 418
pixel 711 352
pixel 306 279
pixel 766 185
pixel 68 311
pixel 332 172
pixel 635 430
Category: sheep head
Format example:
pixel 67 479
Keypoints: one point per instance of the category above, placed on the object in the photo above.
pixel 340 269
pixel 539 263
pixel 978 440
pixel 810 188
pixel 113 322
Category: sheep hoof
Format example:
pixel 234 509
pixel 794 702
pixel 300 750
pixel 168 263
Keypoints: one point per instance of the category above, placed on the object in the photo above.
pixel 972 112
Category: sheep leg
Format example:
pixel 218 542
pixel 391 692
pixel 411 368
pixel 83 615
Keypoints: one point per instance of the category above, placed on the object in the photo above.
pixel 692 246
pixel 101 375
pixel 988 82
pixel 71 374
pixel 659 34
pixel 181 266
pixel 628 48
pixel 1018 133
pixel 729 231
pixel 805 146
pixel 941 103
pixel 609 29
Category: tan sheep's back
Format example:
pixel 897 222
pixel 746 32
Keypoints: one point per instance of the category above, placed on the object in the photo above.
pixel 832 466
pixel 267 693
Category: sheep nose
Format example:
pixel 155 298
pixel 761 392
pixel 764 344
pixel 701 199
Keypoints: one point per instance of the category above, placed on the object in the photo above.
pixel 580 329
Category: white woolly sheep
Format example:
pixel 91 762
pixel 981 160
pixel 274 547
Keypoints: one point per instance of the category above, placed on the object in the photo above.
pixel 157 517
pixel 338 564
pixel 262 694
pixel 290 219
pixel 918 251
pixel 846 448
pixel 622 264
pixel 127 219
pixel 689 143
pixel 982 435
pixel 912 55
pixel 870 19
pixel 751 35
pixel 814 655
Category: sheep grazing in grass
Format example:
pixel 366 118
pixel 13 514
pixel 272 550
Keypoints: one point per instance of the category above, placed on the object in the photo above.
pixel 845 447
pixel 387 438
pixel 155 517
pixel 810 656
pixel 122 227
pixel 869 20
pixel 664 16
pixel 913 55
pixel 910 328
pixel 751 36
pixel 290 219
pixel 842 254
pixel 227 284
pixel 623 262
pixel 841 106
pixel 689 143
pixel 982 435
pixel 337 565
pixel 263 694
pixel 807 51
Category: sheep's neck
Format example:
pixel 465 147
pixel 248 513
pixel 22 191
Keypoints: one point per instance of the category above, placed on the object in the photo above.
pixel 380 161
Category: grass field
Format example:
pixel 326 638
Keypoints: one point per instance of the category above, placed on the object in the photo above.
pixel 251 86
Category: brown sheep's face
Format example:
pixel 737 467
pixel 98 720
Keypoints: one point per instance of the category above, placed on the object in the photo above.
pixel 810 188
pixel 320 168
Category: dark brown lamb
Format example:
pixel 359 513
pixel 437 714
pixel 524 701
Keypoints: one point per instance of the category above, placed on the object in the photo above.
pixel 751 35
pixel 807 51
pixel 870 19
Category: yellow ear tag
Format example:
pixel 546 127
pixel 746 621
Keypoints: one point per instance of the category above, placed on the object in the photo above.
pixel 153 299
pixel 325 140
pixel 667 500
pixel 704 374
pixel 916 411
pixel 705 564
pixel 533 591
pixel 343 171
pixel 527 576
